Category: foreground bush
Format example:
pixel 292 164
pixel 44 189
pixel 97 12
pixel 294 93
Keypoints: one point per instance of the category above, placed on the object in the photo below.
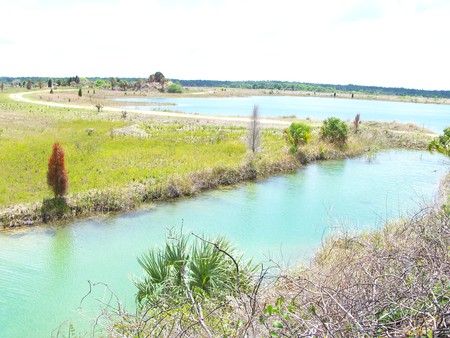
pixel 392 282
pixel 185 285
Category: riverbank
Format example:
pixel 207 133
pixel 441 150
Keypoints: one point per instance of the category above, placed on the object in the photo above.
pixel 133 196
pixel 118 163
pixel 387 282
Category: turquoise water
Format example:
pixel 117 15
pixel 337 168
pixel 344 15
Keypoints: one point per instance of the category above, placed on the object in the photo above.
pixel 44 271
pixel 433 116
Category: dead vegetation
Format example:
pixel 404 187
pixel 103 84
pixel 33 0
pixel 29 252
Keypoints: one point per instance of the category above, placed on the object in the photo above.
pixel 394 282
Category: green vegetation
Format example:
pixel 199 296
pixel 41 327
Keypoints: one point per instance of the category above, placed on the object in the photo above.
pixel 181 270
pixel 441 143
pixel 117 161
pixel 266 85
pixel 334 131
pixel 393 282
pixel 110 167
pixel 298 134
pixel 174 88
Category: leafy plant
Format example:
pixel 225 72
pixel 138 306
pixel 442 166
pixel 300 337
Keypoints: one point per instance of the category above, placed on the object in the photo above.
pixel 204 268
pixel 334 131
pixel 441 143
pixel 298 134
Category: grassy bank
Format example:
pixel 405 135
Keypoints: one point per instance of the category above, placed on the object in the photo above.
pixel 117 162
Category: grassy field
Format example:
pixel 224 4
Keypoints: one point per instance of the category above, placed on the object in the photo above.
pixel 115 162
pixel 101 159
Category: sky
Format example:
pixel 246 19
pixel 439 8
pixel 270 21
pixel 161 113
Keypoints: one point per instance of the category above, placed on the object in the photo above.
pixel 391 43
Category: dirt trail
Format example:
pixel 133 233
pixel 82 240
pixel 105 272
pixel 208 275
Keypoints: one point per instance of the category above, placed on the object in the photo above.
pixel 20 97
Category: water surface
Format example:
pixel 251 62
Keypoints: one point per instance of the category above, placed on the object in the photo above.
pixel 44 272
pixel 433 116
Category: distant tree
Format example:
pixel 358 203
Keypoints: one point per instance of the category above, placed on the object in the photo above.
pixel 40 84
pixel 80 93
pixel 76 80
pixel 29 84
pixel 123 84
pixel 334 131
pixel 2 86
pixel 99 107
pixel 50 83
pixel 174 88
pixel 51 91
pixel 254 131
pixel 441 143
pixel 57 178
pixel 138 84
pixel 159 77
pixel 113 82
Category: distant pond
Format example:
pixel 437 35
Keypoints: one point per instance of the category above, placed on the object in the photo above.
pixel 433 116
pixel 44 271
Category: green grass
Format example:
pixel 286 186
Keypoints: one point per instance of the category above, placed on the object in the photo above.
pixel 171 150
pixel 99 160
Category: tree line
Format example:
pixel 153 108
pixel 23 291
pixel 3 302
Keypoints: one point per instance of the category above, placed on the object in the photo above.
pixel 268 85
pixel 316 87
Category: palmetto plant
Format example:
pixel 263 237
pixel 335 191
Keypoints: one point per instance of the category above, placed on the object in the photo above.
pixel 334 131
pixel 441 143
pixel 183 270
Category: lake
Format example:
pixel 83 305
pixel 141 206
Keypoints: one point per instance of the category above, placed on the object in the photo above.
pixel 44 270
pixel 433 116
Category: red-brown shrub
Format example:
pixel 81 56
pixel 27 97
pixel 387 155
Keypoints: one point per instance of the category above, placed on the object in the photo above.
pixel 56 175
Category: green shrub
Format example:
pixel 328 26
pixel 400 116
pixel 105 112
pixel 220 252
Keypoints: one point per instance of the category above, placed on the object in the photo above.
pixel 182 269
pixel 441 143
pixel 174 88
pixel 298 134
pixel 334 131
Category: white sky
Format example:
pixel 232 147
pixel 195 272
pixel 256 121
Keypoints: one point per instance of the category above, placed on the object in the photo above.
pixel 394 43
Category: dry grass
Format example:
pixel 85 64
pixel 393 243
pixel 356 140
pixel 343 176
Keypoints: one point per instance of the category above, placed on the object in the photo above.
pixel 394 282
pixel 390 283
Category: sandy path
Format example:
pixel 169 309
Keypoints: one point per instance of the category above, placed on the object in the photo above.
pixel 20 97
